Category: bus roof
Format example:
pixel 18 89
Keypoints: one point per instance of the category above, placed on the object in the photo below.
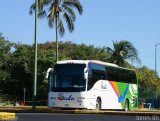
pixel 86 62
pixel 92 61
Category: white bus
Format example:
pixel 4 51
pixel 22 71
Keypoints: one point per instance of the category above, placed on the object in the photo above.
pixel 91 84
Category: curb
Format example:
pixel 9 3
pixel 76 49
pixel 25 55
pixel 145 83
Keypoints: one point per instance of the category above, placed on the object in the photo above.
pixel 109 112
pixel 7 116
pixel 102 112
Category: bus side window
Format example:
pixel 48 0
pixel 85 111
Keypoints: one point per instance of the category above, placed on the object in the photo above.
pixel 127 76
pixel 94 76
pixel 52 80
pixel 133 79
pixel 98 75
pixel 112 74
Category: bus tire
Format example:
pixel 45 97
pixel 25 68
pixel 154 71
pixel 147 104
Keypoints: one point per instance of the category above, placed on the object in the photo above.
pixel 127 105
pixel 98 104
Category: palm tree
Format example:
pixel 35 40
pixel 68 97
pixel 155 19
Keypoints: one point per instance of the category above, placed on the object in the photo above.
pixel 54 10
pixel 123 51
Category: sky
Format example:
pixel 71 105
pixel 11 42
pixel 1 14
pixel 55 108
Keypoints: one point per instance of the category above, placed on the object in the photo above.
pixel 102 22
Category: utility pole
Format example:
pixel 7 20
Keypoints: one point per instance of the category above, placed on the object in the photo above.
pixel 35 55
pixel 156 65
pixel 156 58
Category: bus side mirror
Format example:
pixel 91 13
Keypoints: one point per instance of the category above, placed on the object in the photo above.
pixel 85 73
pixel 48 72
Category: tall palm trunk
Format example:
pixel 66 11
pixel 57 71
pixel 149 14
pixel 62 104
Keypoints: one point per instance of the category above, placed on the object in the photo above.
pixel 56 8
pixel 57 54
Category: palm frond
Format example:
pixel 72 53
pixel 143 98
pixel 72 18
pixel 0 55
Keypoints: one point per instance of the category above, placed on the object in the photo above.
pixel 124 50
pixel 76 4
pixel 55 8
pixel 32 8
pixel 44 3
pixel 110 51
pixel 69 11
pixel 51 17
pixel 42 14
pixel 61 29
pixel 69 22
pixel 41 5
pixel 50 23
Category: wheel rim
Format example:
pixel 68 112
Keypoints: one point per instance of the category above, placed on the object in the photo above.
pixel 98 105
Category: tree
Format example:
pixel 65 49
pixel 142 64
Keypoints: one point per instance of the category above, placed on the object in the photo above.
pixel 21 69
pixel 57 10
pixel 146 77
pixel 147 81
pixel 17 66
pixel 22 66
pixel 5 52
pixel 123 51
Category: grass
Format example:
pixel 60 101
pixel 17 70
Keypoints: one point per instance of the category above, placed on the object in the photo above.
pixel 147 110
pixel 8 103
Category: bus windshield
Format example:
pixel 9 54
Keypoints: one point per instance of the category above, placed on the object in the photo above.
pixel 69 78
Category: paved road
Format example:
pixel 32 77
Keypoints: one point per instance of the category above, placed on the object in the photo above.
pixel 82 117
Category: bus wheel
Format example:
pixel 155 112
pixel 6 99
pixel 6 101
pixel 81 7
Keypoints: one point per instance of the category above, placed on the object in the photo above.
pixel 127 105
pixel 98 104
